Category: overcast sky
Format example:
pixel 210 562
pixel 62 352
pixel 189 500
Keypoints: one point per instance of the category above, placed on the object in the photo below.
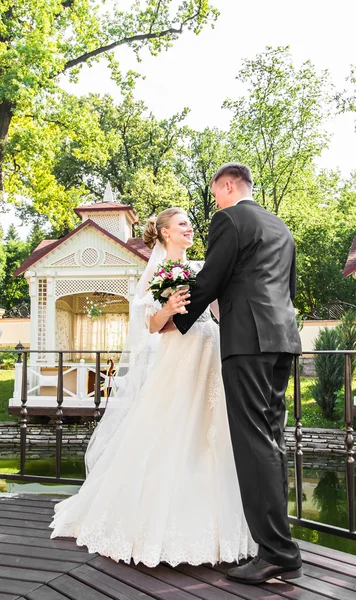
pixel 199 71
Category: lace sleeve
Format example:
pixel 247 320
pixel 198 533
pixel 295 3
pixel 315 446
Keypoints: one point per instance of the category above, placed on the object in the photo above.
pixel 152 305
pixel 149 305
pixel 196 265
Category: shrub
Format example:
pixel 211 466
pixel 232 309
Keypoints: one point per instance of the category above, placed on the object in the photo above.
pixel 8 359
pixel 330 371
pixel 347 335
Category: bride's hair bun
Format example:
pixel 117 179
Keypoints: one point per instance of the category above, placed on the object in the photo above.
pixel 150 233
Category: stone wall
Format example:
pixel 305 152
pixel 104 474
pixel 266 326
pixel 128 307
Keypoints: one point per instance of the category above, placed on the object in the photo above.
pixel 74 436
pixel 321 441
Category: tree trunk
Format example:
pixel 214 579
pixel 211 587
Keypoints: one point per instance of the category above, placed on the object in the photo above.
pixel 6 109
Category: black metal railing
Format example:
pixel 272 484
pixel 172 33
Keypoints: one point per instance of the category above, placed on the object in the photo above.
pixel 349 533
pixel 23 358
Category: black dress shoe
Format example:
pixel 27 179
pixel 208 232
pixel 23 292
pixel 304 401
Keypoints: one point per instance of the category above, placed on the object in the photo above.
pixel 259 571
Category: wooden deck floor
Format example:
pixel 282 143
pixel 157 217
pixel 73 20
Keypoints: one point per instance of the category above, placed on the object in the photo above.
pixel 36 568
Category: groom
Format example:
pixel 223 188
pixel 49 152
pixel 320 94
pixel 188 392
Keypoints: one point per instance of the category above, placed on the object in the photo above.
pixel 250 269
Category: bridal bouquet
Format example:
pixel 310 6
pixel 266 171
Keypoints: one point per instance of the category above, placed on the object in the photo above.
pixel 171 277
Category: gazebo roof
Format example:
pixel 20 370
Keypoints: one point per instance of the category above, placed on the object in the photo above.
pixel 134 245
pixel 350 266
pixel 106 207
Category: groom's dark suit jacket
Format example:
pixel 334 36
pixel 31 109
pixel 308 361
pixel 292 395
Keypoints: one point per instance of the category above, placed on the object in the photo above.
pixel 250 269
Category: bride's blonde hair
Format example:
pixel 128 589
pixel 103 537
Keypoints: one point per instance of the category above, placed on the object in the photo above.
pixel 154 226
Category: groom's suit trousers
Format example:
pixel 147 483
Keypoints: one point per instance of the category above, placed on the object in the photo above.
pixel 255 389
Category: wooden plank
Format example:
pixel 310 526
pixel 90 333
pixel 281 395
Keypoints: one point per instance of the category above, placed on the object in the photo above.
pixel 41 564
pixel 217 579
pixel 76 590
pixel 187 583
pixel 289 590
pixel 9 586
pixel 26 574
pixel 7 513
pixel 25 531
pixel 30 524
pixel 46 553
pixel 20 502
pixel 327 552
pixel 25 508
pixel 283 589
pixel 328 563
pixel 140 581
pixel 45 593
pixel 330 576
pixel 42 497
pixel 56 544
pixel 107 585
pixel 324 588
pixel 308 587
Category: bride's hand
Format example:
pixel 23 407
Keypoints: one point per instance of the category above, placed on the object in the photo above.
pixel 177 302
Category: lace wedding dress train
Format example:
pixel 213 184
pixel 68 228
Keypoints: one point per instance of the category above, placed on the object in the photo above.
pixel 165 488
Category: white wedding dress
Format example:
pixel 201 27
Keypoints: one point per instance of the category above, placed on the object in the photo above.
pixel 165 488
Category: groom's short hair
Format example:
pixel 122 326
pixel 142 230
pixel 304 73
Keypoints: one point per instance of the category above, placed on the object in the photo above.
pixel 234 170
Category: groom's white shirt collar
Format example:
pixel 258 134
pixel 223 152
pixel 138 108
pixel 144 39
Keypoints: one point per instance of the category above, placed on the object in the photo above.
pixel 243 200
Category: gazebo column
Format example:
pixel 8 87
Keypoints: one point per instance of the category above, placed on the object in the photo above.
pixel 32 283
pixel 51 321
pixel 132 279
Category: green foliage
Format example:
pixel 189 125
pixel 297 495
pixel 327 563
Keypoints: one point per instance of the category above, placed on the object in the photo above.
pixel 312 415
pixel 2 256
pixel 8 359
pixel 42 40
pixel 13 290
pixel 347 335
pixel 278 129
pixel 6 391
pixel 330 371
pixel 198 158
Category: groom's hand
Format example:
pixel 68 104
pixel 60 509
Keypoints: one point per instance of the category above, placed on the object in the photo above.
pixel 169 326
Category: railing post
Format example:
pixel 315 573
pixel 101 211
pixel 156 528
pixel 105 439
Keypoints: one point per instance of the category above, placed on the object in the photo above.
pixel 59 415
pixel 23 415
pixel 97 394
pixel 298 434
pixel 349 444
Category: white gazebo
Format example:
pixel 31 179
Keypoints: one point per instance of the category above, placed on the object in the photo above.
pixel 81 287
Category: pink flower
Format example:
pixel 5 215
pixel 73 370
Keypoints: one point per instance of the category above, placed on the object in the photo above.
pixel 186 274
pixel 169 275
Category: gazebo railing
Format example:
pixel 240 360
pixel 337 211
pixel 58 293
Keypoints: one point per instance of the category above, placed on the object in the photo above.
pixel 349 533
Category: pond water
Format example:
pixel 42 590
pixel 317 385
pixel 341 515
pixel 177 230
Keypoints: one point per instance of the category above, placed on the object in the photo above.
pixel 324 490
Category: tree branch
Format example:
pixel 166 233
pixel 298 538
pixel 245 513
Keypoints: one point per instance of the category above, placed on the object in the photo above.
pixel 127 40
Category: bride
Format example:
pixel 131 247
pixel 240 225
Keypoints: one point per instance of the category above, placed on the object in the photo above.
pixel 161 480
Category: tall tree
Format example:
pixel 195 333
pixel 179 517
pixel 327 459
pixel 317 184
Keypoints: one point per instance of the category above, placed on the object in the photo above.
pixel 322 220
pixel 85 142
pixel 2 255
pixel 278 128
pixel 13 290
pixel 199 156
pixel 40 40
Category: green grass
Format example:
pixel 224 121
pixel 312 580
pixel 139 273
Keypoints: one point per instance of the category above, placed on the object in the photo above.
pixel 311 413
pixel 6 392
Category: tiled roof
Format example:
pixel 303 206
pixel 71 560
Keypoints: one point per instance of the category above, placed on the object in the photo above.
pixel 350 266
pixel 137 244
